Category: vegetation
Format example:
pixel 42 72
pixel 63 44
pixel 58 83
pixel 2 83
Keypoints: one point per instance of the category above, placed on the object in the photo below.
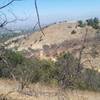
pixel 73 32
pixel 66 69
pixel 7 35
pixel 90 80
pixel 94 22
pixel 3 97
pixel 81 23
pixel 63 72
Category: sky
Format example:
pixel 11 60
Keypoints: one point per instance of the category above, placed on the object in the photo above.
pixel 53 10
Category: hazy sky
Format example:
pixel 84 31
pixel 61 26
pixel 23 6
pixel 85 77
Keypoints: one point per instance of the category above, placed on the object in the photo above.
pixel 55 10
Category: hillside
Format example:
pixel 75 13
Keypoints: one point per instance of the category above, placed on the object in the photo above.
pixel 59 38
pixel 54 34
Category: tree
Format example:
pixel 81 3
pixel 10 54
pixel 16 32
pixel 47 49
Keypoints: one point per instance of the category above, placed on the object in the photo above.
pixel 94 22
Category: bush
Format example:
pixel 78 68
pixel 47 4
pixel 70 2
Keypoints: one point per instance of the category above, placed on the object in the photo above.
pixel 81 23
pixel 73 32
pixel 63 72
pixel 66 70
pixel 90 80
pixel 14 57
pixel 46 71
pixel 93 22
pixel 30 70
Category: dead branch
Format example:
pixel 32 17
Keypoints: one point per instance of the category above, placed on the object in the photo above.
pixel 4 6
pixel 38 17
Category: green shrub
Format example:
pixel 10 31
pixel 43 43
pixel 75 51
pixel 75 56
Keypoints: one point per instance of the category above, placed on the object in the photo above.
pixel 63 72
pixel 90 80
pixel 81 23
pixel 14 57
pixel 66 70
pixel 47 69
pixel 94 22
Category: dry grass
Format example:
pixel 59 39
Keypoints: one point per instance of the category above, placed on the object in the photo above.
pixel 40 92
pixel 54 34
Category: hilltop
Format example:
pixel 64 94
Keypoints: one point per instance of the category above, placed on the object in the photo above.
pixel 54 34
pixel 60 37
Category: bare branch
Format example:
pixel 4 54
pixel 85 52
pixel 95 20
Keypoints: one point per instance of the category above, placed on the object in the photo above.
pixel 4 6
pixel 38 17
pixel 35 26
